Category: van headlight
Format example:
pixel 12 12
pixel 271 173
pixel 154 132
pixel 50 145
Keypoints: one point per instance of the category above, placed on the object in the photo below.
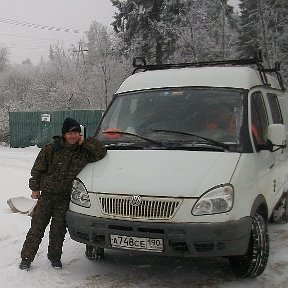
pixel 217 200
pixel 79 194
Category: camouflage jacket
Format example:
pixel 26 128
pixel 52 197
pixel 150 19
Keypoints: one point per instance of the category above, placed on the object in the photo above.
pixel 57 165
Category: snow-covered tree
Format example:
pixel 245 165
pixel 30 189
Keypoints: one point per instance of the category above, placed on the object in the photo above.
pixel 66 76
pixel 176 30
pixel 4 58
pixel 207 31
pixel 264 26
pixel 104 64
pixel 147 27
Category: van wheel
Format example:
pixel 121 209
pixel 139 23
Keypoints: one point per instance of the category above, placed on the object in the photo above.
pixel 94 253
pixel 254 262
pixel 280 213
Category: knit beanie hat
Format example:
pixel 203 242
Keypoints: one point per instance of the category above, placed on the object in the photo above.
pixel 69 125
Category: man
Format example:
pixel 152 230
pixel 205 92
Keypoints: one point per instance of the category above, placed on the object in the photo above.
pixel 52 174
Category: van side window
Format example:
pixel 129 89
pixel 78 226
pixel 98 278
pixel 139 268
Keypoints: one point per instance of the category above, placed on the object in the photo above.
pixel 259 119
pixel 275 108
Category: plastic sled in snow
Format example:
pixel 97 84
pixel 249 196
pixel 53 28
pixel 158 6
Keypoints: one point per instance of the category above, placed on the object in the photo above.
pixel 22 205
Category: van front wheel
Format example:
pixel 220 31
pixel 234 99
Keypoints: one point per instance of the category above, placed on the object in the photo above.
pixel 254 262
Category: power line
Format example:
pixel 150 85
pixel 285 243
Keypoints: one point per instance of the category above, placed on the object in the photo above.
pixel 40 46
pixel 41 41
pixel 26 46
pixel 28 37
pixel 39 26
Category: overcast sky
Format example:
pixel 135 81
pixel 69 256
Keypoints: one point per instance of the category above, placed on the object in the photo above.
pixel 28 27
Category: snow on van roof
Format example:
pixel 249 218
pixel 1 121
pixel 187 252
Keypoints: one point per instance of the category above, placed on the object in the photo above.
pixel 233 77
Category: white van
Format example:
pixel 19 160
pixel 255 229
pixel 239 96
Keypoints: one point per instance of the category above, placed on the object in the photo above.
pixel 196 166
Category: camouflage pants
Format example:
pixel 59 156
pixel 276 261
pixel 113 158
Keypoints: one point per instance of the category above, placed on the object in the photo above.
pixel 47 208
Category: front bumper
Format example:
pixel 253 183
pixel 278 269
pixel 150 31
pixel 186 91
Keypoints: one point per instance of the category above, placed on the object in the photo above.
pixel 180 239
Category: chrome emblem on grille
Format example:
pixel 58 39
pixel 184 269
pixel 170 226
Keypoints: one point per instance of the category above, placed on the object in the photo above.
pixel 135 200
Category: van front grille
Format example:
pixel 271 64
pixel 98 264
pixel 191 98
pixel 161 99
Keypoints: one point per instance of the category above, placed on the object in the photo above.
pixel 146 208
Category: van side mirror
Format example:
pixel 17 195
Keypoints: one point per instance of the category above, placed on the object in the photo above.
pixel 276 137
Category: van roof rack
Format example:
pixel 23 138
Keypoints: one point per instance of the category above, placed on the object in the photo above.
pixel 139 63
pixel 276 71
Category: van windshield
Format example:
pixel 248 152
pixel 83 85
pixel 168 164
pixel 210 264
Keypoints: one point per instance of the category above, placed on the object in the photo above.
pixel 171 114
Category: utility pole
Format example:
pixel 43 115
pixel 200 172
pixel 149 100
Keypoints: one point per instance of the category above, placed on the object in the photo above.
pixel 80 53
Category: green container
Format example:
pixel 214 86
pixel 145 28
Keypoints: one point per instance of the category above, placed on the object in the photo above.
pixel 38 128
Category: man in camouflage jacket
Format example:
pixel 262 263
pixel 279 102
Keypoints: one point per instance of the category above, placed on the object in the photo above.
pixel 55 167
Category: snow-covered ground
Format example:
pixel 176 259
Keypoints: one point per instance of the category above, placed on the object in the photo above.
pixel 120 268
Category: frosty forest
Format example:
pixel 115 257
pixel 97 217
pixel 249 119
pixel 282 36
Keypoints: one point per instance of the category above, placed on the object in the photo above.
pixel 163 31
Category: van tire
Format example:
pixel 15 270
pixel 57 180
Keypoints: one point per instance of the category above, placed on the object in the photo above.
pixel 254 262
pixel 94 253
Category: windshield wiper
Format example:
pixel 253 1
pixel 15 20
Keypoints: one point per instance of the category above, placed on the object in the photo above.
pixel 123 146
pixel 135 135
pixel 211 141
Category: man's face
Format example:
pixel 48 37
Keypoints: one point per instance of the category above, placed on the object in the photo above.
pixel 72 137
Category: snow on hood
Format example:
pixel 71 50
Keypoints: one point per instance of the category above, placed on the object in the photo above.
pixel 159 173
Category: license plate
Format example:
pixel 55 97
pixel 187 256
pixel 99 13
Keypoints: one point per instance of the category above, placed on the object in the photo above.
pixel 136 243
